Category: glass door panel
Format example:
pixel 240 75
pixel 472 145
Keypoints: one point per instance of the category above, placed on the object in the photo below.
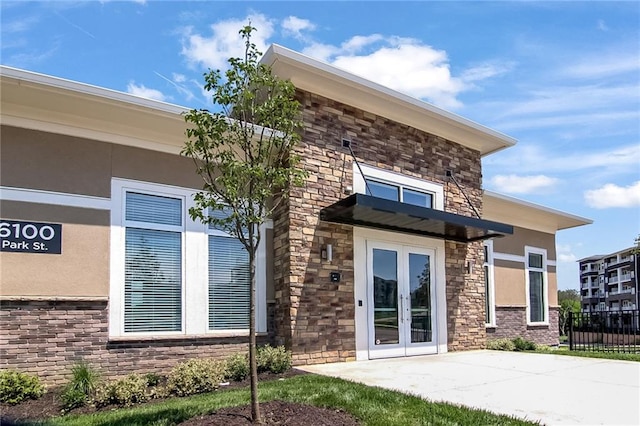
pixel 385 297
pixel 420 298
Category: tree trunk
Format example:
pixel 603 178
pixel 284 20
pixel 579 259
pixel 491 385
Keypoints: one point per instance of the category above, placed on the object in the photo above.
pixel 253 364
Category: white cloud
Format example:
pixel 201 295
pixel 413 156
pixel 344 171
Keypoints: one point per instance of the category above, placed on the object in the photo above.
pixel 425 71
pixel 225 41
pixel 144 92
pixel 294 26
pixel 564 254
pixel 602 26
pixel 515 184
pixel 536 159
pixel 612 195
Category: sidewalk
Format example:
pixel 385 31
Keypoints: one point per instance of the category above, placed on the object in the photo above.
pixel 552 389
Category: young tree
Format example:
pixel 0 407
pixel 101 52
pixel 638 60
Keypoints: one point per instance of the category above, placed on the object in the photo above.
pixel 569 301
pixel 245 156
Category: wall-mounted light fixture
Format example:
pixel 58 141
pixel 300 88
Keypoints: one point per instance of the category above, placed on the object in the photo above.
pixel 327 253
pixel 470 265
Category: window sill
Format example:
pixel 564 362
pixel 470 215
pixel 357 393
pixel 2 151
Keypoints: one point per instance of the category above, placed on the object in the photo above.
pixel 490 326
pixel 538 324
pixel 168 337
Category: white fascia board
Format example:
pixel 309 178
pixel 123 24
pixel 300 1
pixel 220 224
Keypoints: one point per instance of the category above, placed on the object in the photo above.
pixel 277 54
pixel 26 77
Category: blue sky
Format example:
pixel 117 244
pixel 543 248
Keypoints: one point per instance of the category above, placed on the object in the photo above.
pixel 563 78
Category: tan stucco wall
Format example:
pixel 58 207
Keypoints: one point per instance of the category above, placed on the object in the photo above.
pixel 509 281
pixel 510 284
pixel 51 162
pixel 82 270
pixel 521 237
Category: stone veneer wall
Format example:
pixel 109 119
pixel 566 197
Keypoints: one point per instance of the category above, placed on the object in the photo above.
pixel 511 322
pixel 47 337
pixel 314 317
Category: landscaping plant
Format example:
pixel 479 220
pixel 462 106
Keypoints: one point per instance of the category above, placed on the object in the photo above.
pixel 82 386
pixel 276 360
pixel 124 392
pixel 196 376
pixel 237 367
pixel 15 387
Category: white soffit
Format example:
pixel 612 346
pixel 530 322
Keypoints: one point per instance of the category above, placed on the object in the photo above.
pixel 42 102
pixel 326 80
pixel 502 208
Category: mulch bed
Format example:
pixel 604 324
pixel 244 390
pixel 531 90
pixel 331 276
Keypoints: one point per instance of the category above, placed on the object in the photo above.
pixel 273 413
pixel 276 413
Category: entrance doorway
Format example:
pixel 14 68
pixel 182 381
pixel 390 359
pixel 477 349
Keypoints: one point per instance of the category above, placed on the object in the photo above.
pixel 401 300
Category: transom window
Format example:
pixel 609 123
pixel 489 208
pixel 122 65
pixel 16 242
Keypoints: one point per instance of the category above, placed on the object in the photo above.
pixel 397 187
pixel 399 193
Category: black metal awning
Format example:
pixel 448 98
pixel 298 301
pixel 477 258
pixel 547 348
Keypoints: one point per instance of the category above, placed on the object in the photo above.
pixel 373 212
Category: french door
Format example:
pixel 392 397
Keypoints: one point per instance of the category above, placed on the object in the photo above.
pixel 400 288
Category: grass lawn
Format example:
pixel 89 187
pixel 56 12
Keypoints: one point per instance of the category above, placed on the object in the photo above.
pixel 587 354
pixel 372 406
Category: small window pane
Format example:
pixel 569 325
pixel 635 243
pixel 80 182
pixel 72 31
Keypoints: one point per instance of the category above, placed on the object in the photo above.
pixel 153 209
pixel 229 284
pixel 417 198
pixel 384 190
pixel 535 260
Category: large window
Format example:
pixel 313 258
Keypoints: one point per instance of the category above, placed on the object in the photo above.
pixel 537 303
pixel 172 275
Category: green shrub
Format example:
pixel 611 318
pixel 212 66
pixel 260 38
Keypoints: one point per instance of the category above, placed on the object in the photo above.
pixel 15 387
pixel 237 367
pixel 501 345
pixel 153 379
pixel 73 398
pixel 523 344
pixel 195 376
pixel 276 360
pixel 125 392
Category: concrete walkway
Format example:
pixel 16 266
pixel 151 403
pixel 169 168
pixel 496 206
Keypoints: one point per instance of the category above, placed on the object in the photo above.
pixel 552 389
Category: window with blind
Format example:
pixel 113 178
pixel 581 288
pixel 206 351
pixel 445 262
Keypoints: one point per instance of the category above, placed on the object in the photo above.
pixel 173 275
pixel 537 301
pixel 153 263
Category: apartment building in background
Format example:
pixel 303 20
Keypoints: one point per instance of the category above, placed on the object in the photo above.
pixel 609 282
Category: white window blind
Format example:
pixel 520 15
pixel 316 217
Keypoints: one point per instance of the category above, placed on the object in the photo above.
pixel 229 284
pixel 153 263
pixel 153 209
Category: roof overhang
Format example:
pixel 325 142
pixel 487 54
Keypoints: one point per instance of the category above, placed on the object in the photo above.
pixel 41 102
pixel 373 212
pixel 528 215
pixel 334 83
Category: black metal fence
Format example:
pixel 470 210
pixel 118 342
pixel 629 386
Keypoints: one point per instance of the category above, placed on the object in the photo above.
pixel 605 331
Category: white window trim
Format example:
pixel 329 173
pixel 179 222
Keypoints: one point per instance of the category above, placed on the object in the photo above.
pixel 195 276
pixel 392 178
pixel 545 283
pixel 492 290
